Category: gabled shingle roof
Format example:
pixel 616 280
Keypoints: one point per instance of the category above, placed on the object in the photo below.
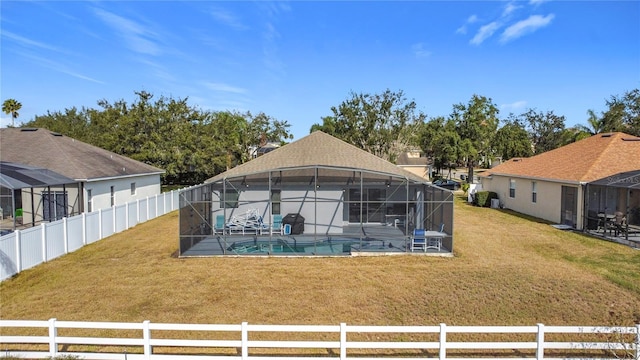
pixel 317 149
pixel 586 160
pixel 66 156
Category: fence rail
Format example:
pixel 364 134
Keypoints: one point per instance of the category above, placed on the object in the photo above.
pixel 26 248
pixel 150 341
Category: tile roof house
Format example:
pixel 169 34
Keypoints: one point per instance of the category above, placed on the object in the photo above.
pixel 103 178
pixel 551 185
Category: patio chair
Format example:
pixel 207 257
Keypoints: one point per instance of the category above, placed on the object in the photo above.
pixel 219 226
pixel 619 223
pixel 418 241
pixel 276 226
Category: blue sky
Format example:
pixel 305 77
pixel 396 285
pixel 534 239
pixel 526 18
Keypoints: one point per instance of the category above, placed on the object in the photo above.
pixel 295 60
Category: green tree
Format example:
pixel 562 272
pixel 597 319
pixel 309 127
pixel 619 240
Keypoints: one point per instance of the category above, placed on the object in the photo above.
pixel 11 107
pixel 476 123
pixel 382 124
pixel 442 142
pixel 546 130
pixel 512 140
pixel 623 113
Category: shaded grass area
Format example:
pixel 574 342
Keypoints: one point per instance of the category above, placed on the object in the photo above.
pixel 507 270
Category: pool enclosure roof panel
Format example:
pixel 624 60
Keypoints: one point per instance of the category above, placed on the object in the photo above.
pixel 18 176
pixel 629 179
pixel 317 150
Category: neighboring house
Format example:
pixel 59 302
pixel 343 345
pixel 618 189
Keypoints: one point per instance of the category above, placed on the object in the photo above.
pixel 415 162
pixel 552 185
pixel 335 194
pixel 103 178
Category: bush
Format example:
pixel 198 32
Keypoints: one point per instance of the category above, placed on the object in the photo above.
pixel 465 187
pixel 483 198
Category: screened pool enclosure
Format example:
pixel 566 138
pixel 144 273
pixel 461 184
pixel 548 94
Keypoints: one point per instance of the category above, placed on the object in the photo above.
pixel 301 199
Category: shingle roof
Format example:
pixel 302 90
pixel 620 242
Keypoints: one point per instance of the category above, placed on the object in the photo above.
pixel 317 149
pixel 586 160
pixel 64 155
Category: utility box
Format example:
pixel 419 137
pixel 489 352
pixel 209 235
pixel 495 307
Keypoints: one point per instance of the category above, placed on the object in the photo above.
pixel 296 221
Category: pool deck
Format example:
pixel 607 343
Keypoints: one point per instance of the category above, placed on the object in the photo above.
pixel 368 240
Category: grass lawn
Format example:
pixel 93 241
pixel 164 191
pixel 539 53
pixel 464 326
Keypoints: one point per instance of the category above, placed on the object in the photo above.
pixel 507 270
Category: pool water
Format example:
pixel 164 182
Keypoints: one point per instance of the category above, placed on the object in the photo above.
pixel 283 247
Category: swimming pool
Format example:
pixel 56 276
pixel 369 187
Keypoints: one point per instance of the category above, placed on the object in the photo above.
pixel 281 246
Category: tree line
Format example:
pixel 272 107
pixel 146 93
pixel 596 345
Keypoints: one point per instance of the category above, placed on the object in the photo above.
pixel 192 145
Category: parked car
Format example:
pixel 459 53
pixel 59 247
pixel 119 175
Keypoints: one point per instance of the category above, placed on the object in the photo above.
pixel 447 184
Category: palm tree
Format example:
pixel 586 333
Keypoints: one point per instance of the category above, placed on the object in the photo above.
pixel 11 106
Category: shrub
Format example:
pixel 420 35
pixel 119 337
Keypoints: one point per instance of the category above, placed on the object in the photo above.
pixel 465 187
pixel 483 198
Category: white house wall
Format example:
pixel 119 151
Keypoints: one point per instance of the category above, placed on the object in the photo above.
pixel 35 202
pixel 549 198
pixel 146 186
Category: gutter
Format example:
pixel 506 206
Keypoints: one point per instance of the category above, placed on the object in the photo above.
pixel 119 177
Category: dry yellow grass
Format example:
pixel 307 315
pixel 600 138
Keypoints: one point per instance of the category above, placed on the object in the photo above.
pixel 507 270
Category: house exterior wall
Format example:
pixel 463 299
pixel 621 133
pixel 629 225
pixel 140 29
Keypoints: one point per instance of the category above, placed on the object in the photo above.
pixel 33 207
pixel 548 203
pixel 421 171
pixel 145 186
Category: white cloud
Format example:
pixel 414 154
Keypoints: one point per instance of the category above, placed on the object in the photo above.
pixel 536 2
pixel 221 87
pixel 138 37
pixel 485 32
pixel 523 27
pixel 470 20
pixel 509 8
pixel 28 42
pixel 514 106
pixel 56 66
pixel 228 19
pixel 419 51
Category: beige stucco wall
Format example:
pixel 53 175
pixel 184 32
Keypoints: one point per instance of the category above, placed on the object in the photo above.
pixel 548 204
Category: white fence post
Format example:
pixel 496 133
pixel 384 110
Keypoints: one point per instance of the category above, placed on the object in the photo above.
pixel 157 205
pixel 53 333
pixel 44 242
pixel 65 235
pixel 146 334
pixel 126 216
pixel 443 341
pixel 540 341
pixel 343 341
pixel 638 342
pixel 99 224
pixel 18 251
pixel 245 340
pixel 113 217
pixel 137 211
pixel 84 229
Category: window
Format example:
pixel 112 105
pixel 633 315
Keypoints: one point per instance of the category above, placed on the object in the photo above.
pixel 89 201
pixel 230 200
pixel 275 202
pixel 512 188
pixel 133 188
pixel 534 192
pixel 113 196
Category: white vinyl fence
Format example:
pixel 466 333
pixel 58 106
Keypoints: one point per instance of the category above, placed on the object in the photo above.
pixel 24 249
pixel 150 341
